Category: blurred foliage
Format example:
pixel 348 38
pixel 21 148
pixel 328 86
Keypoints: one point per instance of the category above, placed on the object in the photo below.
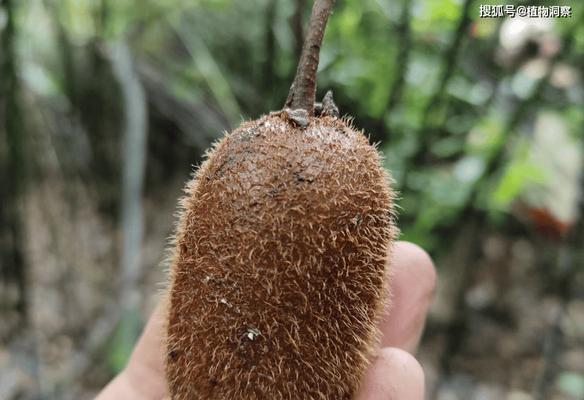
pixel 451 98
pixel 572 384
pixel 123 340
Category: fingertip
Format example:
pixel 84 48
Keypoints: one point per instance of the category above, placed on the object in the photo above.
pixel 416 262
pixel 393 357
pixel 394 373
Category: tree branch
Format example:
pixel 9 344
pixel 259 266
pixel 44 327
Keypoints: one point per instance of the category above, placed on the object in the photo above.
pixel 13 168
pixel 270 45
pixel 446 73
pixel 303 91
pixel 297 28
pixel 404 38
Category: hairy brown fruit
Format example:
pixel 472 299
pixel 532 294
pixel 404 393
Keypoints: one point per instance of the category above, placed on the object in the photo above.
pixel 278 275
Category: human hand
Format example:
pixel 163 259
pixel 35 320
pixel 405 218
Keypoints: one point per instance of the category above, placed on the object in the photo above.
pixel 393 374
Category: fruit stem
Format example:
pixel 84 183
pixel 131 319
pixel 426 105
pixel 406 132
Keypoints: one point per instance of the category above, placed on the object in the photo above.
pixel 303 91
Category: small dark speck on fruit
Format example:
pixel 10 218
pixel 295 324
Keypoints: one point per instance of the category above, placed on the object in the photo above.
pixel 301 178
pixel 172 355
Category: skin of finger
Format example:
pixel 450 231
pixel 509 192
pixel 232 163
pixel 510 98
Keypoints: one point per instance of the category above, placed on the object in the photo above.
pixel 121 388
pixel 412 282
pixel 394 375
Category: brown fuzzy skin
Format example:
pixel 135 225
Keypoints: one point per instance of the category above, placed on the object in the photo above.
pixel 277 280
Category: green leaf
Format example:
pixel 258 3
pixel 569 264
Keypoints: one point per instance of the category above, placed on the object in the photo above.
pixel 521 174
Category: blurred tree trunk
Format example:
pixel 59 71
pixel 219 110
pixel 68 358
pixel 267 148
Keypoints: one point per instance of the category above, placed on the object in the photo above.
pixel 298 27
pixel 383 128
pixel 134 166
pixel 12 173
pixel 67 75
pixel 133 169
pixel 90 147
pixel 404 33
pixel 270 46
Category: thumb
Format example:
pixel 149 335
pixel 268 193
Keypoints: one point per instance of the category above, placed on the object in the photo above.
pixel 394 375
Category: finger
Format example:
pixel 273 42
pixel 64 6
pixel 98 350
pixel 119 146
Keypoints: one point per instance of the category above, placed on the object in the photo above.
pixel 394 375
pixel 412 282
pixel 121 388
pixel 145 369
